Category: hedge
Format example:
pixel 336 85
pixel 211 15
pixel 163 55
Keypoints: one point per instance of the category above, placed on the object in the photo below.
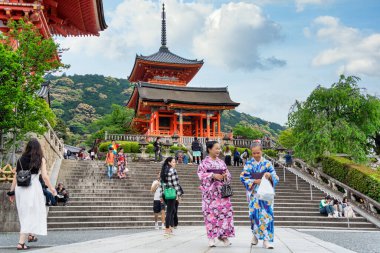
pixel 134 147
pixel 359 177
pixel 270 152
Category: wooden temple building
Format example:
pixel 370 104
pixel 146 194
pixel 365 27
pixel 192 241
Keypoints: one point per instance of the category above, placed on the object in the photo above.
pixel 165 106
pixel 56 17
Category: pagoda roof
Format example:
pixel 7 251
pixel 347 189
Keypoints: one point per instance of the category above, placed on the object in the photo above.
pixel 165 56
pixel 43 92
pixel 182 95
pixel 58 17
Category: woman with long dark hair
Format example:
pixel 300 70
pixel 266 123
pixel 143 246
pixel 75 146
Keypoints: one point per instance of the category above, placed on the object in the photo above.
pixel 217 211
pixel 30 200
pixel 169 179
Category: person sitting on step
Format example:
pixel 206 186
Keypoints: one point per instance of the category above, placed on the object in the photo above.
pixel 50 199
pixel 62 194
pixel 347 210
pixel 325 208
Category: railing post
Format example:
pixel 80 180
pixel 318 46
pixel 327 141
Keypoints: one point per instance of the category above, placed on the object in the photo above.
pixel 284 173
pixel 105 136
pixel 297 182
pixel 311 192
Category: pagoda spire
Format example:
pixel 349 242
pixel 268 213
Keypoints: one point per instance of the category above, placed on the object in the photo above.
pixel 163 28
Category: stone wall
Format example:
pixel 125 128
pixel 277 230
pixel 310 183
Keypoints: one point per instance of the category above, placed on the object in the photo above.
pixel 52 147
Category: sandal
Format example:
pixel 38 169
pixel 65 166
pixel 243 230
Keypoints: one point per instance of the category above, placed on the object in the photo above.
pixel 23 246
pixel 32 238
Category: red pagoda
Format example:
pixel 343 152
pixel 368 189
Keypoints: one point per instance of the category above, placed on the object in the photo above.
pixel 163 103
pixel 56 17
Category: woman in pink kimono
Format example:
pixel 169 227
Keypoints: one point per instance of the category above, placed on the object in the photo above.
pixel 217 211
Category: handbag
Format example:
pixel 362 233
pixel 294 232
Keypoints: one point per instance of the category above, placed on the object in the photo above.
pixel 24 177
pixel 170 193
pixel 226 190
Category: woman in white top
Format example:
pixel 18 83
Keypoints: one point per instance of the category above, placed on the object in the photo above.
pixel 30 200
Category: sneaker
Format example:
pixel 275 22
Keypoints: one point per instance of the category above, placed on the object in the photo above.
pixel 225 241
pixel 211 243
pixel 163 226
pixel 156 226
pixel 254 241
pixel 267 245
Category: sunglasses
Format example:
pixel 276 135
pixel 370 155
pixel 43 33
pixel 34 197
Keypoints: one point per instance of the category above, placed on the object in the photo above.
pixel 256 153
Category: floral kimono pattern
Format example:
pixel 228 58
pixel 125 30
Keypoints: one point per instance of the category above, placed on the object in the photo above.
pixel 260 211
pixel 217 211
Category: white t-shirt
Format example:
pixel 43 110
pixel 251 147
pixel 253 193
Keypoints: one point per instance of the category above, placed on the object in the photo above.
pixel 157 193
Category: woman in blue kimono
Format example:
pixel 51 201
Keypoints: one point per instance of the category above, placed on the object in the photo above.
pixel 260 211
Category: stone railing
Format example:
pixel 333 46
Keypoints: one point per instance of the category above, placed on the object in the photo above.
pixel 187 140
pixel 364 201
pixel 362 204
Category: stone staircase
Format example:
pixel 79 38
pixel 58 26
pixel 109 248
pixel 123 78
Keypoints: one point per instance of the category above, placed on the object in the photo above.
pixel 99 203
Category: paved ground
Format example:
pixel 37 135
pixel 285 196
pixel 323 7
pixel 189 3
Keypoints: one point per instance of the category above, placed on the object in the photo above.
pixel 8 241
pixel 359 241
pixel 190 239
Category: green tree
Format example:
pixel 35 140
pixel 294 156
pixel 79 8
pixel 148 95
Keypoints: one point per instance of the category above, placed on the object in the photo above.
pixel 25 57
pixel 287 139
pixel 117 122
pixel 247 131
pixel 339 119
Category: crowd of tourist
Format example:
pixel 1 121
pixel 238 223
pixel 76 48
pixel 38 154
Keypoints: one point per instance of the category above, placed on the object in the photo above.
pixel 333 208
pixel 33 191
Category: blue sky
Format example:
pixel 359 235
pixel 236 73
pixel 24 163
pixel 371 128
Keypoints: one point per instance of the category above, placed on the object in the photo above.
pixel 268 52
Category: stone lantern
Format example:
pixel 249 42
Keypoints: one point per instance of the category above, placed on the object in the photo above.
pixel 281 153
pixel 167 146
pixel 226 140
pixel 143 146
pixel 175 138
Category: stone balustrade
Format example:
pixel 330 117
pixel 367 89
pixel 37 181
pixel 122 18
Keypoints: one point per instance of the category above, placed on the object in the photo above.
pixel 187 140
pixel 362 204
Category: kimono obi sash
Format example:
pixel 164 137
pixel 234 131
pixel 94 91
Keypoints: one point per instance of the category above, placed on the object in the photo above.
pixel 257 175
pixel 216 171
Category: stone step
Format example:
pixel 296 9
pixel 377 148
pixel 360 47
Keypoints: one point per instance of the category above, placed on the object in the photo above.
pixel 278 201
pixel 183 222
pixel 148 206
pixel 99 203
pixel 196 217
pixel 148 211
pixel 184 203
pixel 188 194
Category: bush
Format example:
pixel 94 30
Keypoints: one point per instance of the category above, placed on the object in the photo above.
pixel 359 177
pixel 174 149
pixel 134 147
pixel 128 146
pixel 271 152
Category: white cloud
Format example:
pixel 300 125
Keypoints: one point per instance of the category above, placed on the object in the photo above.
pixel 355 52
pixel 230 35
pixel 300 4
pixel 233 35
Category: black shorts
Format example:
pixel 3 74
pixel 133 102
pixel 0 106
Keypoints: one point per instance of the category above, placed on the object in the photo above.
pixel 158 206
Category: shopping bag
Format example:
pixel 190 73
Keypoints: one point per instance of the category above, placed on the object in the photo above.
pixel 114 169
pixel 265 191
